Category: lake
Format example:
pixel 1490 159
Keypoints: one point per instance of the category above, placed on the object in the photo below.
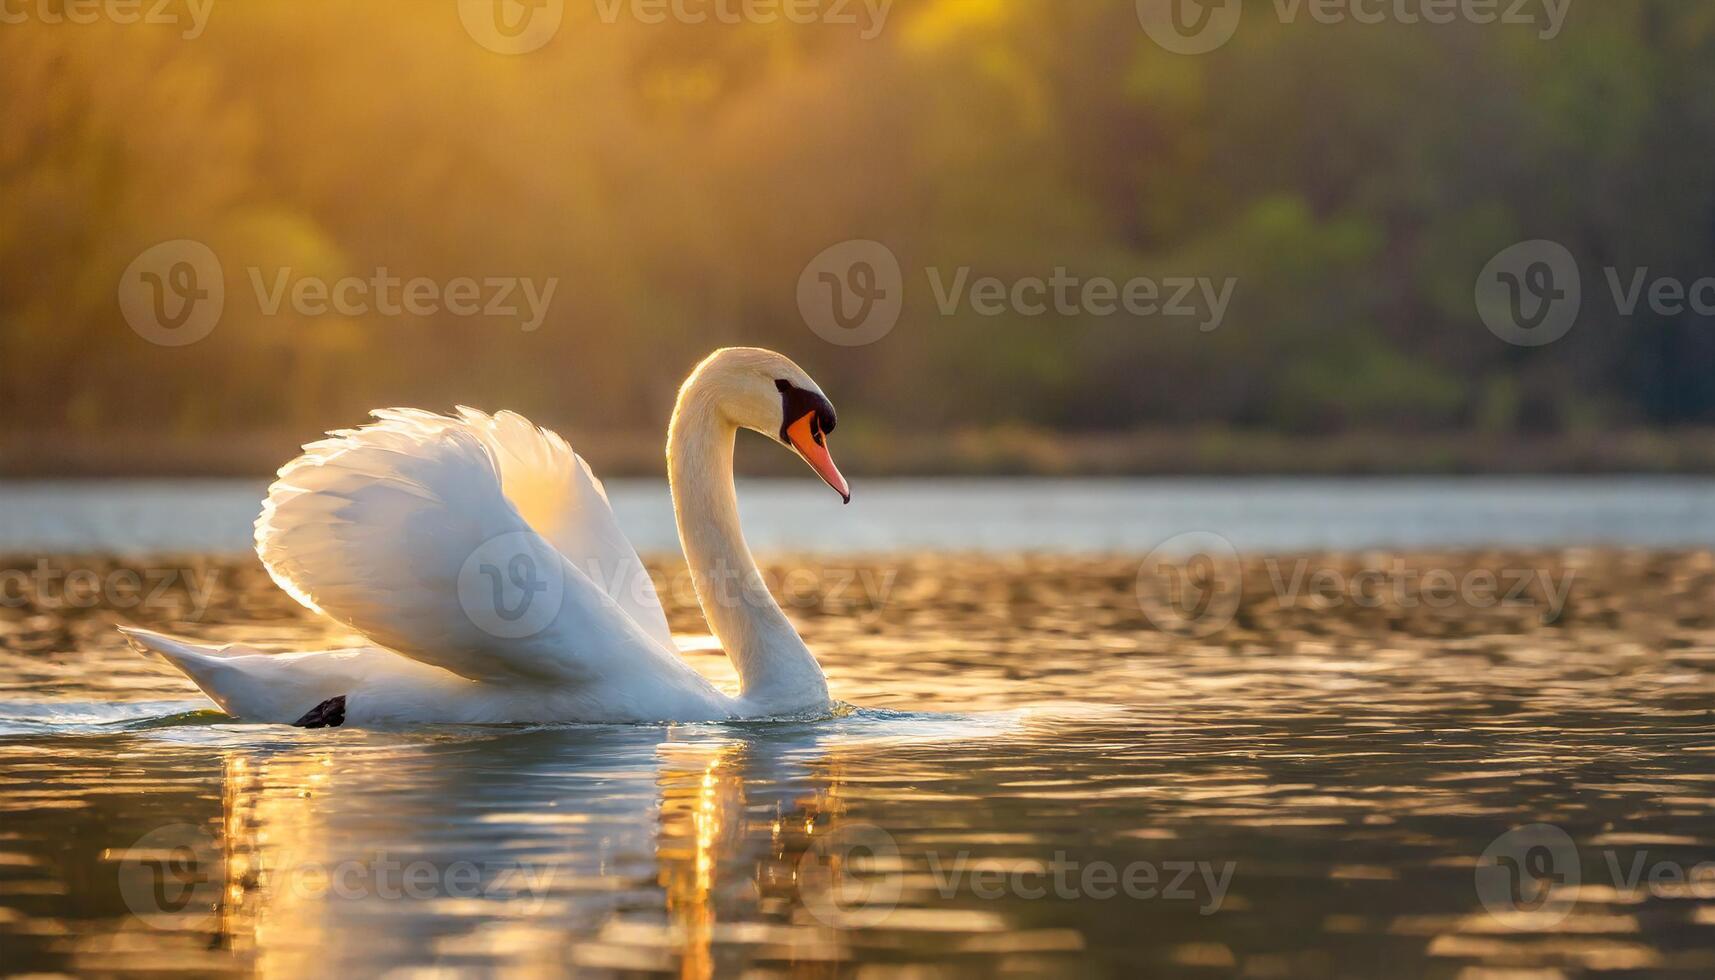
pixel 1047 765
pixel 996 515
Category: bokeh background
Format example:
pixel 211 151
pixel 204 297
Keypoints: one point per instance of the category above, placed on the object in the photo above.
pixel 676 179
pixel 1355 693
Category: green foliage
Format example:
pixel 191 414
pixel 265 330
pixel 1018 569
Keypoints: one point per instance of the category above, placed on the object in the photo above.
pixel 675 179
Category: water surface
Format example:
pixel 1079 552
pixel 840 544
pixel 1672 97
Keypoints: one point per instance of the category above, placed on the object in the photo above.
pixel 1308 791
pixel 989 515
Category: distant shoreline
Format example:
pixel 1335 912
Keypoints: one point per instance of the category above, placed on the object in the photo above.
pixel 1015 451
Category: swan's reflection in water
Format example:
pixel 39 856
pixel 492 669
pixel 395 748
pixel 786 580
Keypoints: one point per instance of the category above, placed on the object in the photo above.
pixel 535 851
pixel 685 851
pixel 1351 766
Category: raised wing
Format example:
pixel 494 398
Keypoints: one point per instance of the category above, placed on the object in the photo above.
pixel 558 495
pixel 407 531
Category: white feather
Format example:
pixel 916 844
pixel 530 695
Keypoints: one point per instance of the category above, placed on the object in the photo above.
pixel 381 528
pixel 375 526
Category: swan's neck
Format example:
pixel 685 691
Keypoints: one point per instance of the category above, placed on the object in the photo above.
pixel 776 670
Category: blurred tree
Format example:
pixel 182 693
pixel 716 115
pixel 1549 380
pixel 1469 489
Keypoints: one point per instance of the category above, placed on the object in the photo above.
pixel 674 179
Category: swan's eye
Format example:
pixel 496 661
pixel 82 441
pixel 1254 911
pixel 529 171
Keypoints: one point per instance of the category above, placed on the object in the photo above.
pixel 797 404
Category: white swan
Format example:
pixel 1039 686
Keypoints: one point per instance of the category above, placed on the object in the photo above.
pixel 480 557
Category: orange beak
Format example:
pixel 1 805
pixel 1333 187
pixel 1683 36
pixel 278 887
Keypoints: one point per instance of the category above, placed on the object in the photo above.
pixel 806 436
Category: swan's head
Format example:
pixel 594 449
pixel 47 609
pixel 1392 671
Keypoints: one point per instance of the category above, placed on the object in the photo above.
pixel 761 390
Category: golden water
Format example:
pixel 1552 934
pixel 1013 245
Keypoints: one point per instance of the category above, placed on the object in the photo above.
pixel 1020 722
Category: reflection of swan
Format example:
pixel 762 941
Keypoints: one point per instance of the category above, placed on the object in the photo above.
pixel 481 557
pixel 648 848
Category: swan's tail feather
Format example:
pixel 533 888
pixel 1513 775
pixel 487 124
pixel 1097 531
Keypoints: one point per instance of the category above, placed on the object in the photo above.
pixel 171 649
pixel 210 668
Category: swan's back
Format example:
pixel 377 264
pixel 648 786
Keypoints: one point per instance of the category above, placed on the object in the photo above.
pixel 400 528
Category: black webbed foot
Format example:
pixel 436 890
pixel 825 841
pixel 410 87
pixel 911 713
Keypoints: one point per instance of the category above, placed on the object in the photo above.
pixel 328 714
